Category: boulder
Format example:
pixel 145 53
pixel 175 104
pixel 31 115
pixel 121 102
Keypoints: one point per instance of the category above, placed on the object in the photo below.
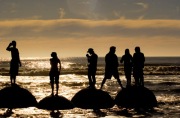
pixel 16 97
pixel 55 103
pixel 136 97
pixel 91 98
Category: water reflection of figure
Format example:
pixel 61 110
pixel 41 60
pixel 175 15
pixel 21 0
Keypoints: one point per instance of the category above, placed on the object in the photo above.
pixel 92 66
pixel 111 68
pixel 54 72
pixel 56 114
pixel 15 61
pixel 127 59
pixel 138 65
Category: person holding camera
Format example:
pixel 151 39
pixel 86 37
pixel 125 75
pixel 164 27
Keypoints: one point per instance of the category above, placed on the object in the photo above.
pixel 92 59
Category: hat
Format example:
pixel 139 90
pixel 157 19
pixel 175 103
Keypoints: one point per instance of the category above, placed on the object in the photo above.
pixel 90 50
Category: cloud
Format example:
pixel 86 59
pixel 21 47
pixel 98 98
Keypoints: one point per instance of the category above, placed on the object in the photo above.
pixel 74 36
pixel 76 28
pixel 143 5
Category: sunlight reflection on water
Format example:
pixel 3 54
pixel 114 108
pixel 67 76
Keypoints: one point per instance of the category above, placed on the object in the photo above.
pixel 70 84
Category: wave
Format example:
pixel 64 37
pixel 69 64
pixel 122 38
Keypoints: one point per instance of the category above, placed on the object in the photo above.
pixel 148 70
pixel 78 66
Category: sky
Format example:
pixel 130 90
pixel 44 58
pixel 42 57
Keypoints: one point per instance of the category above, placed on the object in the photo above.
pixel 70 27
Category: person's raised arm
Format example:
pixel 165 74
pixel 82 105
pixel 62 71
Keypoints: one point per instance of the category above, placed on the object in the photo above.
pixel 9 47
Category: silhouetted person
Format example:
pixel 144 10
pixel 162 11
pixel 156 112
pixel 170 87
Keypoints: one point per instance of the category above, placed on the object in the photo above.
pixel 111 67
pixel 138 65
pixel 54 72
pixel 15 61
pixel 92 66
pixel 127 59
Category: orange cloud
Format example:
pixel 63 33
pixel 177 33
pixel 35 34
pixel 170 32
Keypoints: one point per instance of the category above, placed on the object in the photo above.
pixel 74 36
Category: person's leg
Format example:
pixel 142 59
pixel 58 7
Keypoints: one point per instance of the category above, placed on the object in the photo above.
pixel 116 76
pixel 141 78
pixel 136 76
pixel 14 79
pixel 129 73
pixel 142 81
pixel 90 78
pixel 103 82
pixel 57 88
pixel 11 78
pixel 52 84
pixel 128 81
pixel 128 78
pixel 57 84
pixel 136 81
pixel 11 73
pixel 119 82
pixel 93 80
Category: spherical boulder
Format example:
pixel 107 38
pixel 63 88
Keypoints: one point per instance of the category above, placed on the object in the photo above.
pixel 91 98
pixel 16 97
pixel 136 97
pixel 55 103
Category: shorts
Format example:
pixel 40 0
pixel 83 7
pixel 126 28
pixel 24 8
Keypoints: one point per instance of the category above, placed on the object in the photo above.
pixel 14 68
pixel 54 77
pixel 110 73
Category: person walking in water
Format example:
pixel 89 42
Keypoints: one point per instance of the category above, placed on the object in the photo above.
pixel 138 65
pixel 127 60
pixel 111 67
pixel 92 59
pixel 15 61
pixel 54 72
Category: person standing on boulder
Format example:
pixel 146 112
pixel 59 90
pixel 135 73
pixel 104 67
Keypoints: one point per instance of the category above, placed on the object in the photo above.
pixel 127 60
pixel 138 65
pixel 92 59
pixel 111 67
pixel 54 72
pixel 15 61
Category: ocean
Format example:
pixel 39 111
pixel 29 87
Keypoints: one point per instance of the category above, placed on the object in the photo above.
pixel 78 66
pixel 162 77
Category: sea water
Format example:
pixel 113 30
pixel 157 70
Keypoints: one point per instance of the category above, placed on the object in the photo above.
pixel 162 77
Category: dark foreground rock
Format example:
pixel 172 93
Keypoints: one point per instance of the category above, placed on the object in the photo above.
pixel 55 103
pixel 91 98
pixel 16 97
pixel 136 97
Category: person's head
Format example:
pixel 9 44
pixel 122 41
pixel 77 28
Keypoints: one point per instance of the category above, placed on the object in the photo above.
pixel 14 43
pixel 137 49
pixel 126 51
pixel 90 50
pixel 54 54
pixel 112 49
